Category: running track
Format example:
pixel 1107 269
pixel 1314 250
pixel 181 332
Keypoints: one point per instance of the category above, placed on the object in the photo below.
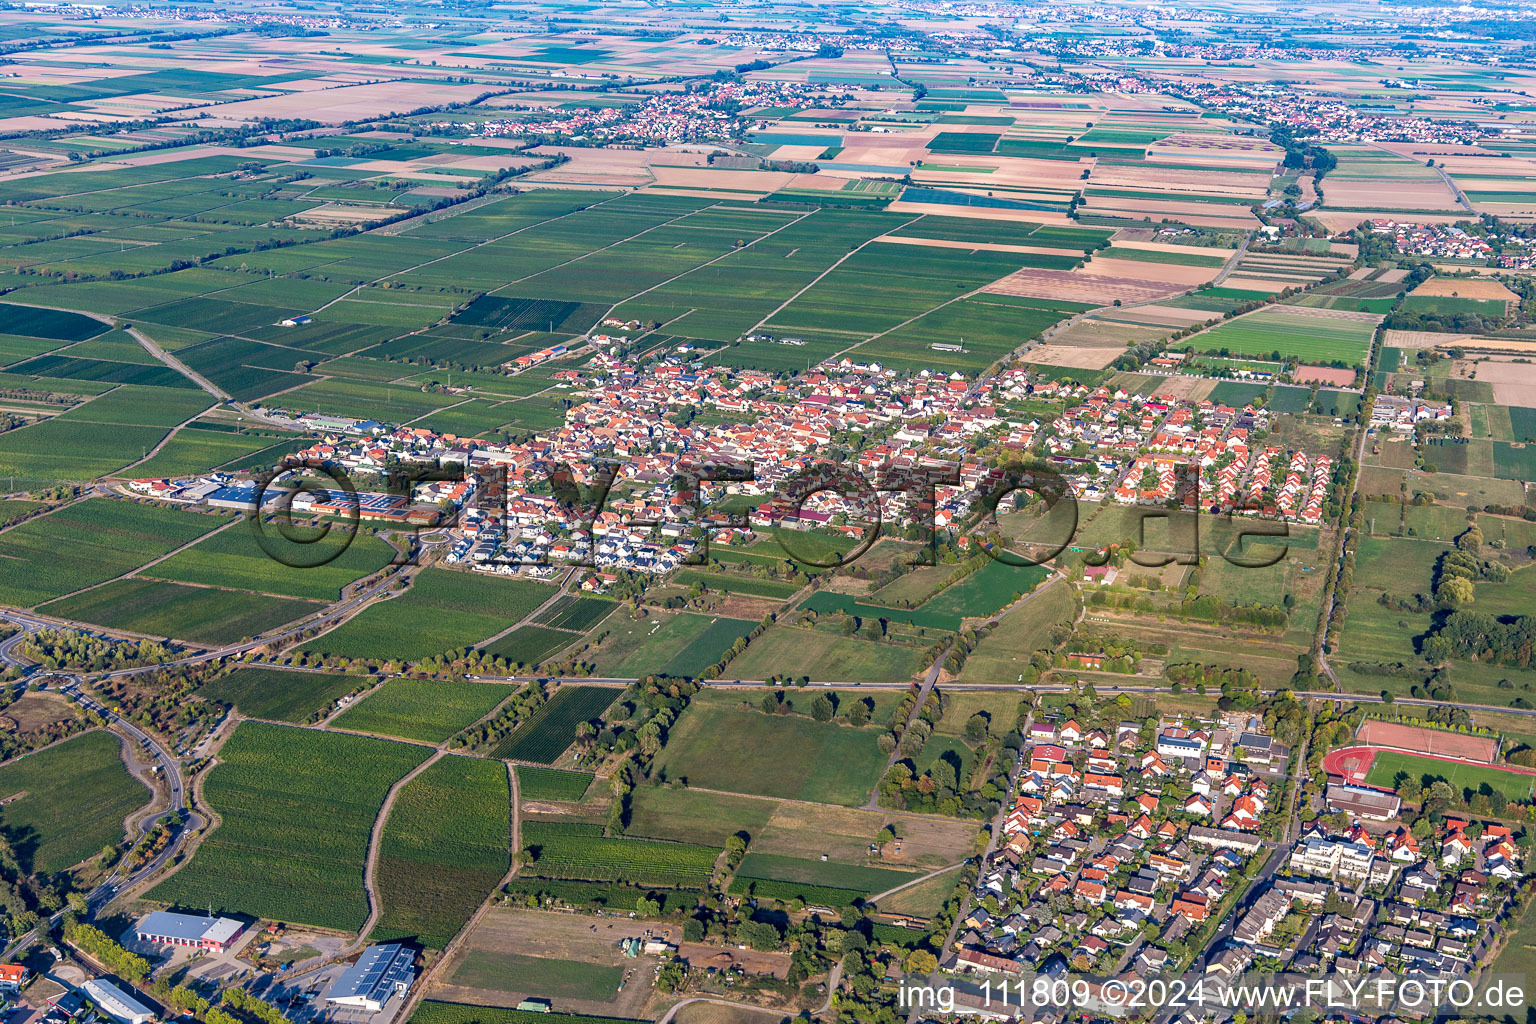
pixel 1333 762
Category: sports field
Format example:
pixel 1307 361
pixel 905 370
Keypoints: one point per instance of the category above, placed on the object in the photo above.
pixel 1391 763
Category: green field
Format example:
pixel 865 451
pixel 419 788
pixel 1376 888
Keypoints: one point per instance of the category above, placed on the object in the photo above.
pixel 88 543
pixel 296 808
pixel 536 976
pixel 1389 763
pixel 714 745
pixel 551 729
pixel 236 558
pixel 279 695
pixel 1282 329
pixel 824 873
pixel 443 610
pixel 582 852
pixel 444 850
pixel 825 656
pixel 64 804
pixel 432 1011
pixel 429 711
pixel 529 645
pixel 202 615
pixel 551 784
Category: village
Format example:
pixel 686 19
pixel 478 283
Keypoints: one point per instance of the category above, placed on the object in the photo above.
pixel 1131 853
pixel 769 449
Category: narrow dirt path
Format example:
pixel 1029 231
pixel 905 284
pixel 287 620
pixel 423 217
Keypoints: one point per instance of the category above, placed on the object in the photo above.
pixel 370 869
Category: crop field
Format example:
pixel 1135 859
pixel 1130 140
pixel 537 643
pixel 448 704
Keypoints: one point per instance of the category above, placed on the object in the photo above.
pixel 992 587
pixel 88 543
pixel 57 324
pixel 637 648
pixel 529 645
pixel 1005 652
pixel 76 447
pixel 432 1011
pixel 444 850
pixel 236 558
pixel 884 284
pixel 715 745
pixel 790 650
pixel 707 647
pixel 65 803
pixel 551 729
pixel 550 978
pixel 278 694
pixel 727 583
pixel 582 852
pixel 578 613
pixel 296 809
pixel 1293 332
pixel 429 711
pixel 442 611
pixel 551 783
pixel 202 615
pixel 823 873
pixel 194 451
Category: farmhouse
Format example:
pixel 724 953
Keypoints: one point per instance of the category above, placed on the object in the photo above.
pixel 214 934
pixel 380 974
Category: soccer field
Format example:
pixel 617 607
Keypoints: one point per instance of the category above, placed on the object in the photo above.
pixel 1389 763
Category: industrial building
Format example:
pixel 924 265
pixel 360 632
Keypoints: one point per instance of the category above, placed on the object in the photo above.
pixel 380 974
pixel 213 934
pixel 116 1003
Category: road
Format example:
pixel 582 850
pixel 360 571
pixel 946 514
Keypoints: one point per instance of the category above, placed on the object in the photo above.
pixel 996 833
pixel 170 770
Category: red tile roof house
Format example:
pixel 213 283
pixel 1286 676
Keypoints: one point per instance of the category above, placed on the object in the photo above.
pixel 12 977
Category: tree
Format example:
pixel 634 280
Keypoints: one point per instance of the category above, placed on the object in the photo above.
pixel 823 708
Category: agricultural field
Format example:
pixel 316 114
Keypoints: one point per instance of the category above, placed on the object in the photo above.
pixel 794 651
pixel 278 694
pixel 296 808
pixel 720 744
pixel 1297 332
pixel 444 849
pixel 88 543
pixel 442 610
pixel 551 729
pixel 582 852
pixel 65 803
pixel 236 558
pixel 551 783
pixel 428 711
pixel 202 615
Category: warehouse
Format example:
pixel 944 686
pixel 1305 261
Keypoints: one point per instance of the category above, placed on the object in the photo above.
pixel 380 974
pixel 116 1003
pixel 214 934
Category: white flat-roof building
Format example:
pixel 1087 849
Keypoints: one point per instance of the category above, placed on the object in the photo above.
pixel 380 974
pixel 116 1003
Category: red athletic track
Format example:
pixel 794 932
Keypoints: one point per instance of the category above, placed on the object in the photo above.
pixel 1333 762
